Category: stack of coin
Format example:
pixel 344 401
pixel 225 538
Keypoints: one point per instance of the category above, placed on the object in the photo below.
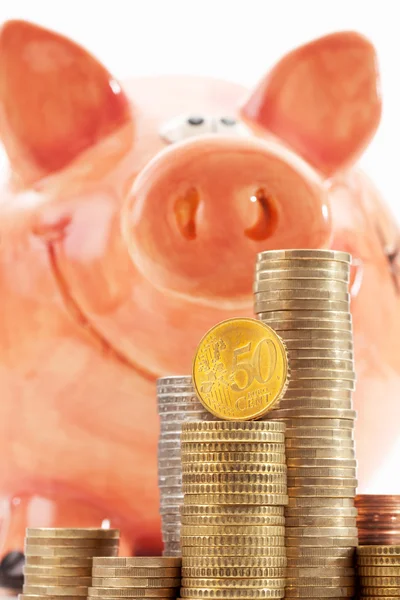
pixel 58 562
pixel 233 535
pixel 378 519
pixel 378 569
pixel 136 578
pixel 177 402
pixel 303 295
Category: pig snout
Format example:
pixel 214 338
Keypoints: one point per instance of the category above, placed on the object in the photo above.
pixel 201 210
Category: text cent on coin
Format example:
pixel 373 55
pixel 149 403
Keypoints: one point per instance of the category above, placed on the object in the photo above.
pixel 240 369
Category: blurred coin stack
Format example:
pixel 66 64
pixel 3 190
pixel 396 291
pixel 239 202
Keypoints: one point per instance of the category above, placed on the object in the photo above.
pixel 177 402
pixel 136 578
pixel 58 562
pixel 378 519
pixel 378 569
pixel 303 295
pixel 233 535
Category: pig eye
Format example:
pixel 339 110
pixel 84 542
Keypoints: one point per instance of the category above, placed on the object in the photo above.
pixel 230 126
pixel 186 126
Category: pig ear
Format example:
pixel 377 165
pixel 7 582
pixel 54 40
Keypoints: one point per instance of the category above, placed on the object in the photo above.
pixel 56 100
pixel 323 99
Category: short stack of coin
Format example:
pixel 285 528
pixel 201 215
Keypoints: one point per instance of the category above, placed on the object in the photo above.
pixel 303 295
pixel 378 569
pixel 378 519
pixel 177 402
pixel 58 562
pixel 136 578
pixel 233 535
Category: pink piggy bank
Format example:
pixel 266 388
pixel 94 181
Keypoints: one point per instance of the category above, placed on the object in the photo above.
pixel 129 225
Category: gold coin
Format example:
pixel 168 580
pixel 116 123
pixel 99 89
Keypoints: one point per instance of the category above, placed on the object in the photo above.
pixel 59 561
pixel 322 481
pixel 321 354
pixel 308 562
pixel 240 369
pixel 235 562
pixel 301 263
pixel 234 478
pixel 257 530
pixel 234 467
pixel 389 592
pixel 305 254
pixel 199 447
pixel 138 582
pixel 326 542
pixel 341 552
pixel 309 531
pixel 58 571
pixel 64 551
pixel 322 472
pixel 54 542
pixel 385 582
pixel 299 386
pixel 303 373
pixel 236 551
pixel 315 336
pixel 55 590
pixel 314 396
pixel 131 592
pixel 237 511
pixel 45 597
pixel 138 561
pixel 238 498
pixel 153 572
pixel 340 275
pixel 232 593
pixel 201 437
pixel 317 453
pixel 378 571
pixel 327 285
pixel 321 492
pixel 262 290
pixel 333 344
pixel 232 540
pixel 317 572
pixel 303 431
pixel 323 441
pixel 321 364
pixel 315 413
pixel 263 304
pixel 226 583
pixel 323 521
pixel 234 572
pixel 277 458
pixel 314 422
pixel 300 315
pixel 233 426
pixel 319 512
pixel 378 561
pixel 321 502
pixel 234 488
pixel 378 550
pixel 86 533
pixel 296 325
pixel 340 581
pixel 319 592
pixel 42 580
pixel 234 520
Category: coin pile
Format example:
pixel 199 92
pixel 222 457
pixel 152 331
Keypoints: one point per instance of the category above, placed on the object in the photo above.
pixel 303 295
pixel 58 562
pixel 136 578
pixel 378 519
pixel 378 569
pixel 177 402
pixel 233 535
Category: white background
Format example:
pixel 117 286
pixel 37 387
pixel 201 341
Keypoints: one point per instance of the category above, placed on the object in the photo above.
pixel 230 39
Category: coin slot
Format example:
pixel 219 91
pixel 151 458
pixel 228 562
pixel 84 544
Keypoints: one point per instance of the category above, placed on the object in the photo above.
pixel 266 220
pixel 185 209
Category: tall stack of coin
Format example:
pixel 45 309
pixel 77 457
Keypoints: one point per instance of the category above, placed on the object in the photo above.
pixel 177 402
pixel 136 577
pixel 59 561
pixel 378 569
pixel 303 295
pixel 378 519
pixel 233 535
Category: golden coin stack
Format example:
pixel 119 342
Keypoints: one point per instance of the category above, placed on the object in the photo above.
pixel 156 577
pixel 378 519
pixel 58 562
pixel 177 402
pixel 233 535
pixel 378 569
pixel 303 295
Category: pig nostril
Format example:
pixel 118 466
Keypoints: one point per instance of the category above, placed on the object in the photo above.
pixel 267 216
pixel 185 209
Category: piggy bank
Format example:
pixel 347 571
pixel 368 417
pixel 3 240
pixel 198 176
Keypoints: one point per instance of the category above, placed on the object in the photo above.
pixel 130 218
